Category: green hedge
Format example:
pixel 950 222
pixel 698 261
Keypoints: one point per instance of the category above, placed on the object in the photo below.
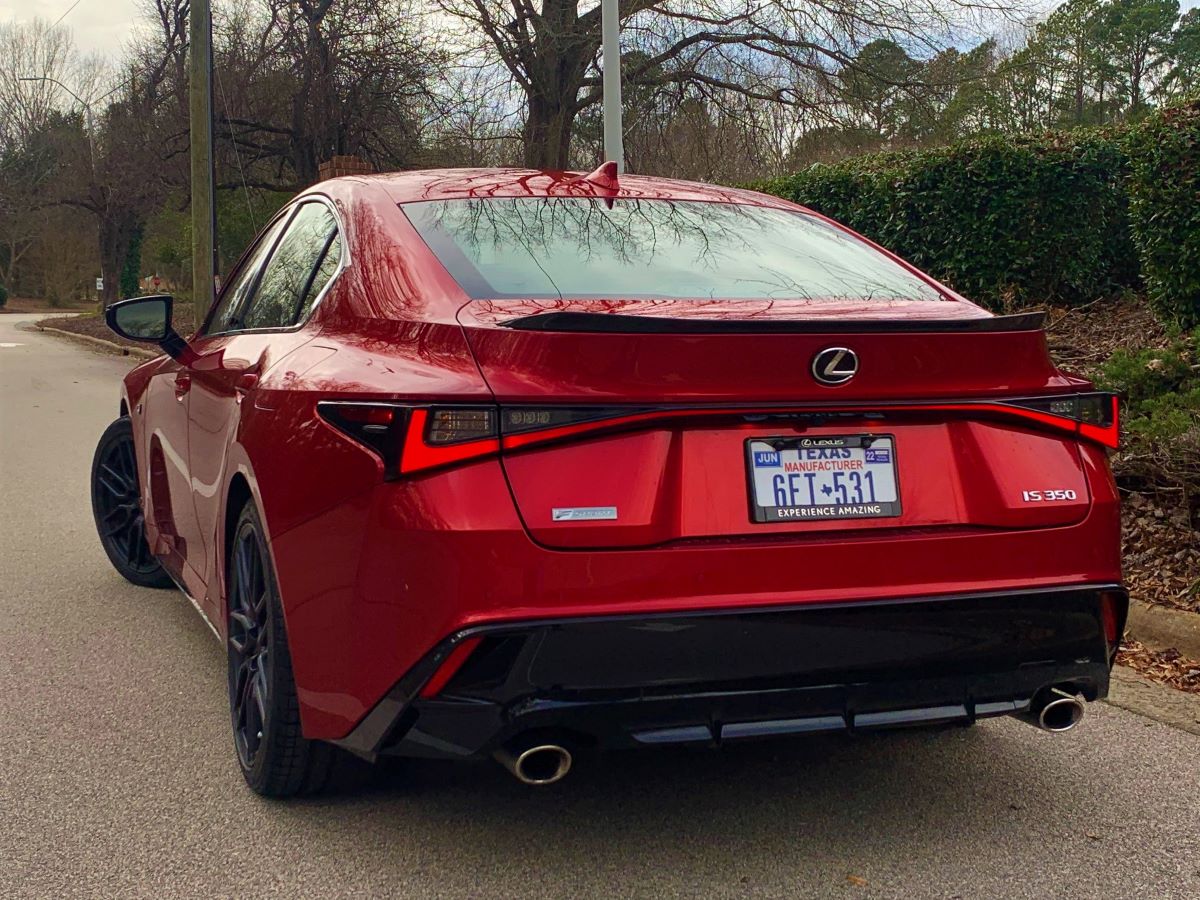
pixel 1010 221
pixel 1164 192
pixel 1006 221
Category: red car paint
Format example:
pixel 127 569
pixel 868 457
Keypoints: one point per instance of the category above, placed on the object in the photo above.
pixel 374 573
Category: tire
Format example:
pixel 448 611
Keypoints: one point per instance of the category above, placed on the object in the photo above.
pixel 275 758
pixel 117 509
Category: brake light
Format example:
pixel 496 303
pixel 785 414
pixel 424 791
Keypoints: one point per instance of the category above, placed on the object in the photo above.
pixel 1095 415
pixel 377 426
pixel 417 439
pixel 413 439
pixel 441 436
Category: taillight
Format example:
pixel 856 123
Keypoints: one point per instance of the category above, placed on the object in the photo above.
pixel 378 426
pixel 440 436
pixel 413 439
pixel 1094 415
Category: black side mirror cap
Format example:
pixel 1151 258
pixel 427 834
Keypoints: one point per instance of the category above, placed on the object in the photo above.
pixel 148 320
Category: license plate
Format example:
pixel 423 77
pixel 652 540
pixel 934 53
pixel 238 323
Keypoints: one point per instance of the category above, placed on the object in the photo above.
pixel 827 477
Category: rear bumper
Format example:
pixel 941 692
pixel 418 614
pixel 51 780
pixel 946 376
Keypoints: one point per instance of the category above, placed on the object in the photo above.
pixel 713 676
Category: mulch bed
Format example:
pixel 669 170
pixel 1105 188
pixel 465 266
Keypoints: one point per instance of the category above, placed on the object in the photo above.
pixel 1164 666
pixel 1083 337
pixel 1160 544
pixel 92 324
pixel 26 305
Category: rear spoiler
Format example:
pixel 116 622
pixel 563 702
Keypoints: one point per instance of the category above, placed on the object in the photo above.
pixel 619 323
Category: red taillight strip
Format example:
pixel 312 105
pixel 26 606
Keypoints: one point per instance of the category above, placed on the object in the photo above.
pixel 525 438
pixel 1109 435
pixel 450 666
pixel 1106 435
pixel 418 456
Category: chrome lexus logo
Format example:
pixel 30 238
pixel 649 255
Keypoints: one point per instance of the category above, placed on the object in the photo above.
pixel 835 365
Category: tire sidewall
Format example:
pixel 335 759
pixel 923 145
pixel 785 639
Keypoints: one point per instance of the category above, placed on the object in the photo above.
pixel 121 430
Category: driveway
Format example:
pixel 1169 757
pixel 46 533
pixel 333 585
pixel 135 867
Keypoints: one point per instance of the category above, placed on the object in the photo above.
pixel 117 774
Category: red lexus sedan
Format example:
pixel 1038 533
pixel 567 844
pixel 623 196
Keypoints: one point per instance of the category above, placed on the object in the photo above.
pixel 522 464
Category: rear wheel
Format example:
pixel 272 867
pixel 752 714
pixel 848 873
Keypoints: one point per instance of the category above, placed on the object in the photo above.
pixel 117 508
pixel 275 758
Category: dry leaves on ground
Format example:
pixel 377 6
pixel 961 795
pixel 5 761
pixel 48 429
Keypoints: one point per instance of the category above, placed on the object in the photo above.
pixel 1161 552
pixel 1164 666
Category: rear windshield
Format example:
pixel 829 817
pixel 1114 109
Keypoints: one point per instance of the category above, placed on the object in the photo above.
pixel 582 247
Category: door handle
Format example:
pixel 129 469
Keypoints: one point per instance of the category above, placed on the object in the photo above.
pixel 183 383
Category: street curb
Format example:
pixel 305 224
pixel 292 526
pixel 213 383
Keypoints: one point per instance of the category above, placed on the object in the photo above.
pixel 1163 627
pixel 1130 691
pixel 100 342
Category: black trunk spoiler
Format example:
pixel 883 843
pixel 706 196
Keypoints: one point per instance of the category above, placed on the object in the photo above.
pixel 618 323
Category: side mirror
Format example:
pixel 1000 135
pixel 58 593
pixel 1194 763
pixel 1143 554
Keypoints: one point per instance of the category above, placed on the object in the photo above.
pixel 147 319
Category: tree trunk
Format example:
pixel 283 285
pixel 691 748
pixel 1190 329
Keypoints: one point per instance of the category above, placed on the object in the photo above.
pixel 549 127
pixel 116 232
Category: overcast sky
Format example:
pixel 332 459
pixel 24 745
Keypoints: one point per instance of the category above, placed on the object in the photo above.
pixel 103 25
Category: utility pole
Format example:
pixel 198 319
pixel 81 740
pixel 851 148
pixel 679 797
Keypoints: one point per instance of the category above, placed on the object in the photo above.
pixel 204 268
pixel 610 35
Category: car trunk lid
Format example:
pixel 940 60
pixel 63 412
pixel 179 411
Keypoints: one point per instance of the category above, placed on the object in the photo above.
pixel 651 409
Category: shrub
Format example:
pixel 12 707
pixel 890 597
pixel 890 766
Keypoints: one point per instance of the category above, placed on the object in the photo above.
pixel 3 296
pixel 1164 189
pixel 1003 220
pixel 1161 414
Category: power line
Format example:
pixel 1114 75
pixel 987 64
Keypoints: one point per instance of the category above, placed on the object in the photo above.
pixel 67 13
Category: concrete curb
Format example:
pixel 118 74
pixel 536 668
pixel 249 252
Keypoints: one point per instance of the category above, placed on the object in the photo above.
pixel 1163 627
pixel 100 342
pixel 1129 690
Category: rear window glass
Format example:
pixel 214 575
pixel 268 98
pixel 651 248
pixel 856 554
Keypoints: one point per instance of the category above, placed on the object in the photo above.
pixel 583 247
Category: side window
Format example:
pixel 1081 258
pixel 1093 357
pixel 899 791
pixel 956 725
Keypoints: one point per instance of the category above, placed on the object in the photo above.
pixel 325 269
pixel 235 293
pixel 285 282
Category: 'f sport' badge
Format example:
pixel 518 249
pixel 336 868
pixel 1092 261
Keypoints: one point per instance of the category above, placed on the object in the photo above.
pixel 835 365
pixel 583 514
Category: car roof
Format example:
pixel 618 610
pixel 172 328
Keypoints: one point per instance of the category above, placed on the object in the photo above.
pixel 453 184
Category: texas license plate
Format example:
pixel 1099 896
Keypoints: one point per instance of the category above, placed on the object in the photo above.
pixel 826 477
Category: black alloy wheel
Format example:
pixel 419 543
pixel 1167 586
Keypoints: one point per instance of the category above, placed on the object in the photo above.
pixel 117 508
pixel 249 650
pixel 275 758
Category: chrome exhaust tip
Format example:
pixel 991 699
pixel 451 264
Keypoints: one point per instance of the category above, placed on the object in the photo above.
pixel 1060 712
pixel 1054 710
pixel 540 765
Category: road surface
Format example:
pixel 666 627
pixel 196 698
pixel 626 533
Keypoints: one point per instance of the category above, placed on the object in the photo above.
pixel 117 773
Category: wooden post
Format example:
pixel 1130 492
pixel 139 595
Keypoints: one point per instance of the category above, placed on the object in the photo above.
pixel 204 268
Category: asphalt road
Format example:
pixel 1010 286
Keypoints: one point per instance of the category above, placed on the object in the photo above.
pixel 117 775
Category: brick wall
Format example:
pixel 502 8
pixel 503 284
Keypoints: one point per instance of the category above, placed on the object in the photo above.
pixel 338 166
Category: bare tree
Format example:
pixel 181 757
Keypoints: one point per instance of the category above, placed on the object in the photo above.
pixel 300 81
pixel 551 53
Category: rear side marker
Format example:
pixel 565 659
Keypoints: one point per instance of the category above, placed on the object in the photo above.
pixel 414 439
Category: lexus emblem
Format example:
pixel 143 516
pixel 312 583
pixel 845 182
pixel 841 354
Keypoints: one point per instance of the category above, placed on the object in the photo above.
pixel 835 365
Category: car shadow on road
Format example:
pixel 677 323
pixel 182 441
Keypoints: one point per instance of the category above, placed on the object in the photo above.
pixel 933 788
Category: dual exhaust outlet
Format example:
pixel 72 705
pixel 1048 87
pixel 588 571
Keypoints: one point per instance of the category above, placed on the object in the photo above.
pixel 1052 709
